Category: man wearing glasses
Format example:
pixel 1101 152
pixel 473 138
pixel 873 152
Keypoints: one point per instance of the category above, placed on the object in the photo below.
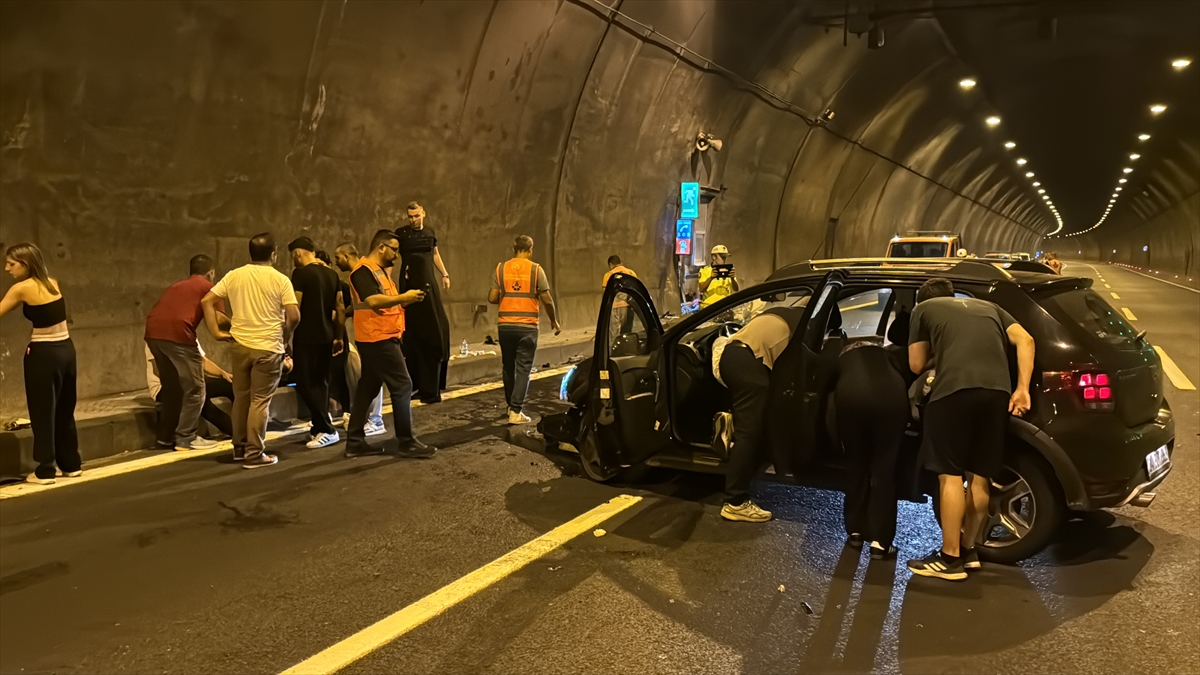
pixel 378 326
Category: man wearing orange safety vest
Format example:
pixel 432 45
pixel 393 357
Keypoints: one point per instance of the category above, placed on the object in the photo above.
pixel 378 325
pixel 520 287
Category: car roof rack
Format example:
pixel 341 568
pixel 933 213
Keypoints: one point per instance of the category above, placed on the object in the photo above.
pixel 971 268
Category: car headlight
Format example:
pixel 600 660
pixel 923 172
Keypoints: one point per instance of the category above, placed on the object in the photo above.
pixel 566 383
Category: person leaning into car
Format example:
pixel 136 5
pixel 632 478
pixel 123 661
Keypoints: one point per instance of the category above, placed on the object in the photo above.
pixel 968 409
pixel 745 368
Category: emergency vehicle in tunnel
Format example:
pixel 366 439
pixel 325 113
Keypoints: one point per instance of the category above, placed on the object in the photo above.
pixel 1100 432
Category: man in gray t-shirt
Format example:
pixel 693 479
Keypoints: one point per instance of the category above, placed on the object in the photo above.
pixel 968 410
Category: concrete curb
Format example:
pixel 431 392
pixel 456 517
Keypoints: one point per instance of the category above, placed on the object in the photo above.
pixel 107 435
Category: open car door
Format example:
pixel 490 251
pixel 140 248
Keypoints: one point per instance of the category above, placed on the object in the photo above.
pixel 629 419
pixel 798 384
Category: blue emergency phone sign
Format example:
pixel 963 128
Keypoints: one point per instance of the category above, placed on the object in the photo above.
pixel 683 228
pixel 689 200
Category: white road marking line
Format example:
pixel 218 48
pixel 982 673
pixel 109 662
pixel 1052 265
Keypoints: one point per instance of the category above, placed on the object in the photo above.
pixel 89 475
pixel 1174 373
pixel 1128 314
pixel 386 630
pixel 1115 296
pixel 1151 276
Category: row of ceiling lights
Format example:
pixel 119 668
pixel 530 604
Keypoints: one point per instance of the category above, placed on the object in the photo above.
pixel 993 121
pixel 1155 110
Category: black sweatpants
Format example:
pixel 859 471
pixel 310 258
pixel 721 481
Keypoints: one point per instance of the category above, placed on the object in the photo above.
pixel 50 396
pixel 749 381
pixel 339 385
pixel 382 363
pixel 426 368
pixel 872 412
pixel 312 383
pixel 214 387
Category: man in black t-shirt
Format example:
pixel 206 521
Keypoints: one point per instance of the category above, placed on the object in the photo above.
pixel 967 414
pixel 318 336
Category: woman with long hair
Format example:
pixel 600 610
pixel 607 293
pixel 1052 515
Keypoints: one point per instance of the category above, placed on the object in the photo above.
pixel 49 364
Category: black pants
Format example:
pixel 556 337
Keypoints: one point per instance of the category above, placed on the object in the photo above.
pixel 312 383
pixel 518 348
pixel 382 363
pixel 339 386
pixel 748 380
pixel 50 396
pixel 872 412
pixel 427 369
pixel 214 387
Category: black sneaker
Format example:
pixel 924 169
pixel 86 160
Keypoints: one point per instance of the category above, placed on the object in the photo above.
pixel 855 540
pixel 881 552
pixel 970 559
pixel 416 450
pixel 362 449
pixel 938 565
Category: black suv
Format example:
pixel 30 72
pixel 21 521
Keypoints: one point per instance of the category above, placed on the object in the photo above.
pixel 1099 434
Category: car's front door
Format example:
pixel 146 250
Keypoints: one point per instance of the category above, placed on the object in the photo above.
pixel 630 412
pixel 797 392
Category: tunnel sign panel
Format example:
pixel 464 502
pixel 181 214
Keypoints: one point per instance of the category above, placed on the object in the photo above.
pixel 683 246
pixel 689 200
pixel 683 228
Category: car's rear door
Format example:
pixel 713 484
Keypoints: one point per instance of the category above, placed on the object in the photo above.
pixel 794 406
pixel 631 412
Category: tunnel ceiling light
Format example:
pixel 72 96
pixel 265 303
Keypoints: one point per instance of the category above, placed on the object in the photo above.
pixel 1022 162
pixel 992 121
pixel 1042 191
pixel 1123 180
pixel 1029 174
pixel 1134 155
pixel 967 83
pixel 1119 188
pixel 1158 109
pixel 1143 137
pixel 1180 64
pixel 1036 184
pixel 1127 170
pixel 1010 145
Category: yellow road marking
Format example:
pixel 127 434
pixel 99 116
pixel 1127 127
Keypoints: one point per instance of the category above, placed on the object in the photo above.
pixel 89 475
pixel 1174 373
pixel 386 630
pixel 862 306
pixel 1128 314
pixel 1106 285
pixel 1115 296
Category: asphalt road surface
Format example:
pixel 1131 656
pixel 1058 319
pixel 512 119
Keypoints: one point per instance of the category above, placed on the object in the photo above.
pixel 200 567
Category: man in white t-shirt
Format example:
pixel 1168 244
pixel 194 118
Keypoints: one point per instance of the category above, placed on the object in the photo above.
pixel 264 314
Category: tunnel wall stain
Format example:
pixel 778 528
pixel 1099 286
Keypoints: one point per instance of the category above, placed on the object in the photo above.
pixel 136 135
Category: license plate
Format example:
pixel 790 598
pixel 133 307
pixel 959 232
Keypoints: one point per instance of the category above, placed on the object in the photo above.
pixel 1157 462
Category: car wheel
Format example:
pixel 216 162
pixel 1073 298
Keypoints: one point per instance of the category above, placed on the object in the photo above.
pixel 1027 508
pixel 590 462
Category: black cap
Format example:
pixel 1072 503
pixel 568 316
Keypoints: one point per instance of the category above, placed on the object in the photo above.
pixel 302 243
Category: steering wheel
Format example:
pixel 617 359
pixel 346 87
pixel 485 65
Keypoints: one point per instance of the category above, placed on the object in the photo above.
pixel 728 328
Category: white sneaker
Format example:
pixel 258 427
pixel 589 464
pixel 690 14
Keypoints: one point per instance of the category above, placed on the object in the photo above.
pixel 374 429
pixel 74 474
pixel 323 440
pixel 33 478
pixel 518 417
pixel 203 444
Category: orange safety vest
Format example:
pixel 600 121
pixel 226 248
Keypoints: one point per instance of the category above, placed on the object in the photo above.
pixel 376 325
pixel 519 302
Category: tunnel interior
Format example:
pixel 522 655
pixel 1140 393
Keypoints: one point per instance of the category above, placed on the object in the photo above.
pixel 138 134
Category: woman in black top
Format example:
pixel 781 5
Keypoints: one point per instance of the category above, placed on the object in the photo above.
pixel 49 364
pixel 426 340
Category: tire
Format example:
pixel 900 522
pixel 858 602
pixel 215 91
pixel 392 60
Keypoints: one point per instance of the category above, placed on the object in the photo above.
pixel 596 470
pixel 1032 512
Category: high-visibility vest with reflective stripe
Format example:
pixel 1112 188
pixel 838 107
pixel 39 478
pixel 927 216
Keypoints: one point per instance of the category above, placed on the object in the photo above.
pixel 376 325
pixel 519 302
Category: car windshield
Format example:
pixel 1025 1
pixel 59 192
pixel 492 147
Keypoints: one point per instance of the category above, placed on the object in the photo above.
pixel 918 249
pixel 1087 315
pixel 741 314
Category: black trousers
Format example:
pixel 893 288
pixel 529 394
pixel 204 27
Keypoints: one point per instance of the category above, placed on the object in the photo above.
pixel 339 386
pixel 217 387
pixel 382 363
pixel 426 368
pixel 312 383
pixel 518 349
pixel 749 381
pixel 871 402
pixel 50 396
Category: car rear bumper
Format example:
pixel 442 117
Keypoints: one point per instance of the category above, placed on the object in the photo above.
pixel 1143 493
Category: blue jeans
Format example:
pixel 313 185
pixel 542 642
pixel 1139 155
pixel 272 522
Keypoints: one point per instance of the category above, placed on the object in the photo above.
pixel 518 346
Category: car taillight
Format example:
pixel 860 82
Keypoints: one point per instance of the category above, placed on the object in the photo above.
pixel 1094 390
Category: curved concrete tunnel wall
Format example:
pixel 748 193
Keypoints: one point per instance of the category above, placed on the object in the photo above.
pixel 136 135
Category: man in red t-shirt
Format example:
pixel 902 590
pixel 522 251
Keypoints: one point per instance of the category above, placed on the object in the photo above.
pixel 171 337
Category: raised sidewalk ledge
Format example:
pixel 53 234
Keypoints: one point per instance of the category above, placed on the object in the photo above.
pixel 124 422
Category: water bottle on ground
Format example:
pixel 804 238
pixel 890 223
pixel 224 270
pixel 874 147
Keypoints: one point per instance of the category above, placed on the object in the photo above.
pixel 464 348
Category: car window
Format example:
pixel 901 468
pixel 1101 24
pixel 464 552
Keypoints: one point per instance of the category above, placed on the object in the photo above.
pixel 918 249
pixel 627 333
pixel 862 313
pixel 742 313
pixel 1090 317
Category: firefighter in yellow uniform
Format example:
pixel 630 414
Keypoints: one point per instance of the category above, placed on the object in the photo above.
pixel 520 287
pixel 714 286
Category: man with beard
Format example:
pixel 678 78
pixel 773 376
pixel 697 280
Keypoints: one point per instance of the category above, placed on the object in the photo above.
pixel 427 330
pixel 378 327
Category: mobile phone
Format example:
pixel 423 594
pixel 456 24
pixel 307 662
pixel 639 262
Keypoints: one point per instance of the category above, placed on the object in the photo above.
pixel 722 271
